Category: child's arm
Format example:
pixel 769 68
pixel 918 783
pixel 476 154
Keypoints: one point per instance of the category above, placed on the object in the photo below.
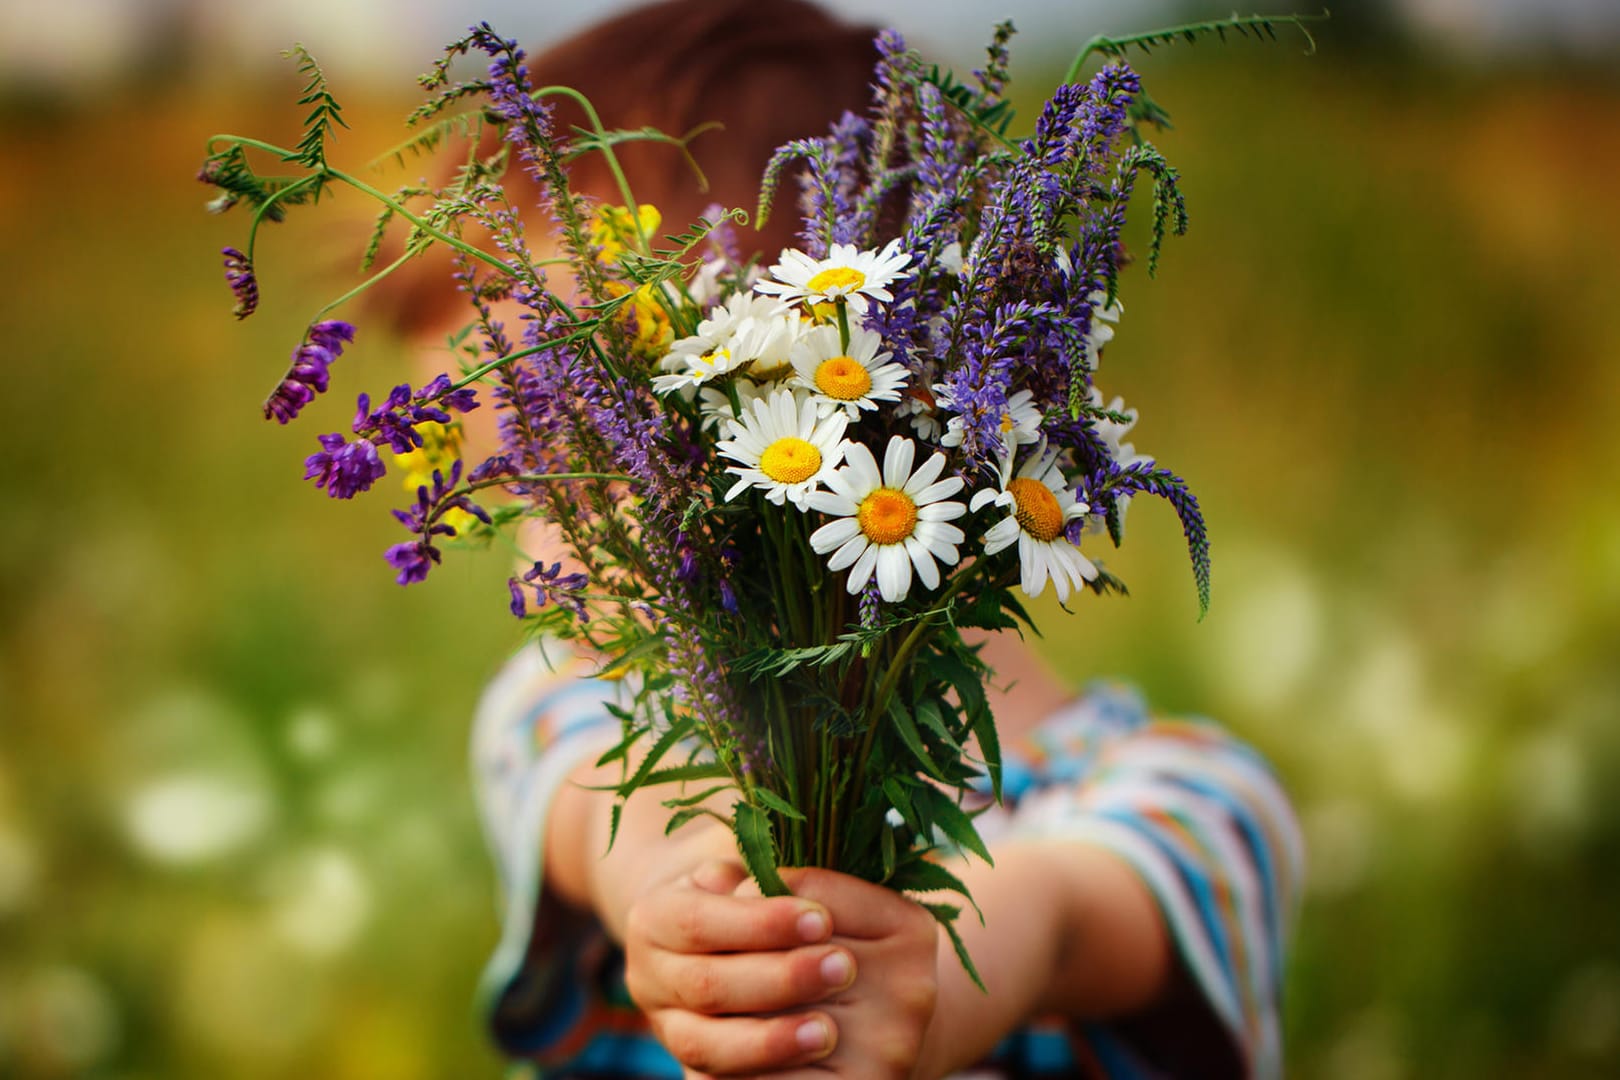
pixel 1069 930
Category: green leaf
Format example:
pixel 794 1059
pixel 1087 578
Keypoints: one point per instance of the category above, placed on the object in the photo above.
pixel 922 875
pixel 777 803
pixel 613 822
pixel 693 800
pixel 895 789
pixel 955 822
pixel 694 770
pixel 690 814
pixel 668 739
pixel 886 847
pixel 909 735
pixel 928 714
pixel 984 729
pixel 753 832
pixel 945 915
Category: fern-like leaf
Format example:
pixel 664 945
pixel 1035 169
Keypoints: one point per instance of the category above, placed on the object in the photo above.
pixel 325 114
pixel 1259 27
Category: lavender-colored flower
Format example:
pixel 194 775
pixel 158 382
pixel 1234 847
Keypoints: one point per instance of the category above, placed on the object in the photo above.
pixel 425 519
pixel 728 598
pixel 344 468
pixel 551 585
pixel 871 604
pixel 396 420
pixel 413 560
pixel 309 374
pixel 244 284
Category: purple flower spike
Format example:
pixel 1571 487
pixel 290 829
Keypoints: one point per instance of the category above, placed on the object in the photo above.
pixel 413 560
pixel 309 373
pixel 244 285
pixel 344 468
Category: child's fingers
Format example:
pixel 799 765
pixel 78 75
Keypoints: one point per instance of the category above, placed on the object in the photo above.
pixel 692 920
pixel 756 982
pixel 733 1046
pixel 859 908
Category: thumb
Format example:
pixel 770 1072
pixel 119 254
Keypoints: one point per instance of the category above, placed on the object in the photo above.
pixel 718 876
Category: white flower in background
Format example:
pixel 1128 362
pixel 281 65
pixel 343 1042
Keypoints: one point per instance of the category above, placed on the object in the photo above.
pixel 889 523
pixel 1041 506
pixel 1113 433
pixel 1103 316
pixel 784 449
pixel 704 288
pixel 765 343
pixel 731 336
pixel 951 257
pixel 688 370
pixel 847 273
pixel 922 410
pixel 1020 424
pixel 714 402
pixel 725 321
pixel 849 381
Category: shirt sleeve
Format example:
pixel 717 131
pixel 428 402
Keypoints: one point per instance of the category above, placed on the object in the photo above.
pixel 540 718
pixel 1202 819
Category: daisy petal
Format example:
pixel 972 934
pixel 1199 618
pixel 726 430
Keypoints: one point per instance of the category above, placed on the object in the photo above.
pixel 893 572
pixel 861 573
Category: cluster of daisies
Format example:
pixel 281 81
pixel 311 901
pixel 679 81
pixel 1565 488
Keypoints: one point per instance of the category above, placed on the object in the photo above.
pixel 786 374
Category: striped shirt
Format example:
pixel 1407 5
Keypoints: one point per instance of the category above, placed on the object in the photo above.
pixel 1199 816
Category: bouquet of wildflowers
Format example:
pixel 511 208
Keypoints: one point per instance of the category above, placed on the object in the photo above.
pixel 784 490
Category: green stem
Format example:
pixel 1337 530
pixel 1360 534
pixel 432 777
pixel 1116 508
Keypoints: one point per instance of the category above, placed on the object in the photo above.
pixel 1243 24
pixel 264 208
pixel 365 188
pixel 612 159
pixel 532 478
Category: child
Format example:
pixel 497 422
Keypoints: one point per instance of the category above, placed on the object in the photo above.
pixel 1145 871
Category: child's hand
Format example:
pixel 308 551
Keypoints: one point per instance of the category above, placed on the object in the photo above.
pixel 698 958
pixel 883 1016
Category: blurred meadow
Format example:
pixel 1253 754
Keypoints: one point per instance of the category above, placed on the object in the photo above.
pixel 236 834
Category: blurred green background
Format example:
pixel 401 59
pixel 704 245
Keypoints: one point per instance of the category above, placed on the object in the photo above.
pixel 236 835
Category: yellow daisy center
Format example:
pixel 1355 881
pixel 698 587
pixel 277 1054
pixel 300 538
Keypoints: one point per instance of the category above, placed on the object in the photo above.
pixel 1006 422
pixel 790 460
pixel 843 278
pixel 844 378
pixel 1036 508
pixel 887 516
pixel 709 363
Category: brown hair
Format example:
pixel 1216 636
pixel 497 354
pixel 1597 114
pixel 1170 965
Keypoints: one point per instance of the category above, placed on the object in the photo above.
pixel 768 70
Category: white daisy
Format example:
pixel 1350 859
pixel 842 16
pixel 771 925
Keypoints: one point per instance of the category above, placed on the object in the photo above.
pixel 891 522
pixel 1042 506
pixel 714 403
pixel 850 380
pixel 729 338
pixel 846 273
pixel 1020 424
pixel 765 344
pixel 1103 316
pixel 688 370
pixel 783 448
pixel 1113 433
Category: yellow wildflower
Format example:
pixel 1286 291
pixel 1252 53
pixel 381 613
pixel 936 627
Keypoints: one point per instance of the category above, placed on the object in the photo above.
pixel 441 446
pixel 613 229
